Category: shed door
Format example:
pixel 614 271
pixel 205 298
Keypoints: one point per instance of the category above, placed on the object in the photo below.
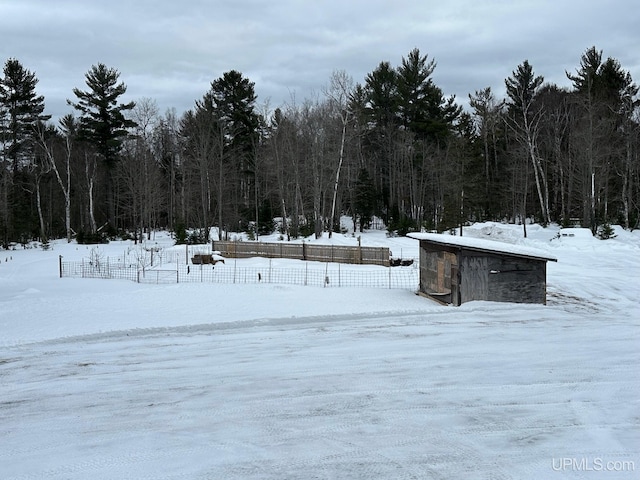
pixel 474 273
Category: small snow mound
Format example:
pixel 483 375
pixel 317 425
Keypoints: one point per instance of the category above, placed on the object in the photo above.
pixel 575 236
pixel 494 231
pixel 582 233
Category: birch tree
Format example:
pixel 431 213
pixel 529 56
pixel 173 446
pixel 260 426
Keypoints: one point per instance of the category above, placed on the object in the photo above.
pixel 57 148
pixel 522 87
pixel 338 93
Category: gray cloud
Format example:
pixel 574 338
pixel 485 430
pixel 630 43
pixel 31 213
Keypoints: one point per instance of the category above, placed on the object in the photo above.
pixel 171 51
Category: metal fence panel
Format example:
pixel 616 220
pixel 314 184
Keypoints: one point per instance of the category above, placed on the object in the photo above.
pixel 332 275
pixel 157 276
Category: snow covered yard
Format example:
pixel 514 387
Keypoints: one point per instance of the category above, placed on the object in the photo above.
pixel 113 379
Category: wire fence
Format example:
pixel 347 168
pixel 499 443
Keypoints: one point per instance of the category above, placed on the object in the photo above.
pixel 332 275
pixel 106 270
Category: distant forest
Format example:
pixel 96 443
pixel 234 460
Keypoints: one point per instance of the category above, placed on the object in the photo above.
pixel 393 146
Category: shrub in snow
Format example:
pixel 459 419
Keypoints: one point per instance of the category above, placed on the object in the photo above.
pixel 87 238
pixel 180 234
pixel 605 232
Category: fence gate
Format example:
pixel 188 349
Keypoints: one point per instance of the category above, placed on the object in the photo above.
pixel 157 276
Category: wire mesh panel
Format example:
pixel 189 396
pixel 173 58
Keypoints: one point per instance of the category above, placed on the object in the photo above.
pixel 104 270
pixel 330 276
pixel 70 269
pixel 158 276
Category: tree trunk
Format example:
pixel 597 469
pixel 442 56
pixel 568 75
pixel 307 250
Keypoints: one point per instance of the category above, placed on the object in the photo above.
pixel 626 174
pixel 335 185
pixel 43 235
pixel 90 170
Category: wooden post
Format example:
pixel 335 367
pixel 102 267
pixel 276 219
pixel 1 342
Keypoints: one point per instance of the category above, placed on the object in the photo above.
pixel 60 264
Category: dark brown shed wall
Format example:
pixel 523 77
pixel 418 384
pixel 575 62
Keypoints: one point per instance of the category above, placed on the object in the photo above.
pixel 498 277
pixel 517 280
pixel 474 278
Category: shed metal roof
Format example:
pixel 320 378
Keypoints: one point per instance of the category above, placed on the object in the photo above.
pixel 484 245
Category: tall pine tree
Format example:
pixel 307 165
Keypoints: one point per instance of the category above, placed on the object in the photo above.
pixel 234 100
pixel 103 124
pixel 522 88
pixel 21 110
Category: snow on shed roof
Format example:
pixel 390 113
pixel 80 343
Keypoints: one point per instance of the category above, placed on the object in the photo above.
pixel 483 245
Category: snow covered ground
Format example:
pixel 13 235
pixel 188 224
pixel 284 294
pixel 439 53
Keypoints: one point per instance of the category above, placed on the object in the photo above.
pixel 107 379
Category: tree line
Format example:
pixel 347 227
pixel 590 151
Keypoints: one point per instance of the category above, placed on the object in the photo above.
pixel 393 146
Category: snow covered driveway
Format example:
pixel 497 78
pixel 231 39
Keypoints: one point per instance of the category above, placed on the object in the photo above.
pixel 395 396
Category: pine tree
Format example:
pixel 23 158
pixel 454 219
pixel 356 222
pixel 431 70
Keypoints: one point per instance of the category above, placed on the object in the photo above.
pixel 21 110
pixel 522 88
pixel 233 99
pixel 423 107
pixel 364 199
pixel 102 121
pixel 488 113
pixel 606 101
pixel 380 119
pixel 103 124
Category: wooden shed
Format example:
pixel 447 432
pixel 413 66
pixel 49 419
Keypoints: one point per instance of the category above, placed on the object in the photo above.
pixel 455 270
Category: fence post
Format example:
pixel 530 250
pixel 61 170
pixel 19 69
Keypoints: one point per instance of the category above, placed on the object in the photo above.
pixel 60 264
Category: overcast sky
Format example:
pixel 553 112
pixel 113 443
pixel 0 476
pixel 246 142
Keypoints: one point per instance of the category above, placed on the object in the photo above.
pixel 170 51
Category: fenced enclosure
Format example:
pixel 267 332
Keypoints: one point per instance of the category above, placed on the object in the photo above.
pixel 305 251
pixel 332 275
pixel 99 269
